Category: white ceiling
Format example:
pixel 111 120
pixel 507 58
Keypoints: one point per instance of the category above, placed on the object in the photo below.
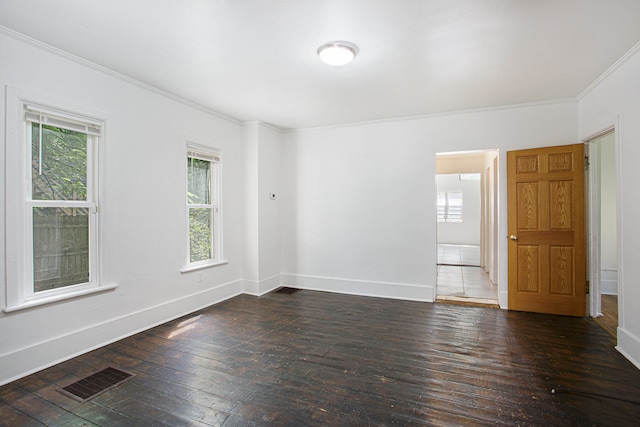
pixel 256 59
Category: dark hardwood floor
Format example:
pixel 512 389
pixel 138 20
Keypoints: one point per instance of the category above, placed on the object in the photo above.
pixel 324 359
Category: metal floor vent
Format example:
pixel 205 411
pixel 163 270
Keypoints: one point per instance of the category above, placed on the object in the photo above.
pixel 93 385
pixel 285 290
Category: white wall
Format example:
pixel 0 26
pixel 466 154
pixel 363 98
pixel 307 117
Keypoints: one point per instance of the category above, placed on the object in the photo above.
pixel 358 207
pixel 270 149
pixel 466 232
pixel 465 162
pixel 354 209
pixel 251 221
pixel 614 100
pixel 143 212
pixel 261 153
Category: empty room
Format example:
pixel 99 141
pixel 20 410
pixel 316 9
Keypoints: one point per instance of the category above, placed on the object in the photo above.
pixel 342 212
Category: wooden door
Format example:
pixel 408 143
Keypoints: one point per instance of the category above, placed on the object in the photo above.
pixel 545 197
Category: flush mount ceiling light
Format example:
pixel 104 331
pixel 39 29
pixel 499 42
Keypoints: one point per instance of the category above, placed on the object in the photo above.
pixel 337 53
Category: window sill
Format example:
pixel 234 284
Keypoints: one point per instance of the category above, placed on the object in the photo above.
pixel 189 268
pixel 56 298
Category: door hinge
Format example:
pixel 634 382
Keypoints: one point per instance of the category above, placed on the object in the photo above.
pixel 586 162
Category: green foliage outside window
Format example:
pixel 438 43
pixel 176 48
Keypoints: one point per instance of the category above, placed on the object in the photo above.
pixel 200 218
pixel 200 234
pixel 60 234
pixel 59 164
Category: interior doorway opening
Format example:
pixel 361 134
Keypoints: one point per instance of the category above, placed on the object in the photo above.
pixel 603 230
pixel 467 263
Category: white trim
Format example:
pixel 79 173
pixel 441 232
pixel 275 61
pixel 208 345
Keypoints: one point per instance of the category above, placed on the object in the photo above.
pixel 251 287
pixel 435 115
pixel 66 55
pixel 61 119
pixel 21 362
pixel 629 346
pixel 193 146
pixel 594 299
pixel 262 287
pixel 18 234
pixel 402 291
pixel 195 266
pixel 503 299
pixel 609 281
pixel 59 297
pixel 265 124
pixel 607 73
pixel 594 223
pixel 598 131
pixel 619 224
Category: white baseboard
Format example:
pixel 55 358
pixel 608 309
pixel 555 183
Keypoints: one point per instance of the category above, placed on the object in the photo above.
pixel 629 346
pixel 609 282
pixel 425 293
pixel 609 287
pixel 264 286
pixel 36 357
pixel 503 299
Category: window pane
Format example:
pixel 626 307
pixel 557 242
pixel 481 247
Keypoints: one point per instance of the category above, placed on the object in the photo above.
pixel 60 247
pixel 454 199
pixel 58 164
pixel 198 181
pixel 455 211
pixel 200 236
pixel 469 177
pixel 454 218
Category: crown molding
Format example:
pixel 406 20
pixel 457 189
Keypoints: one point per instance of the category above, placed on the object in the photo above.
pixel 609 71
pixel 123 77
pixel 263 124
pixel 442 114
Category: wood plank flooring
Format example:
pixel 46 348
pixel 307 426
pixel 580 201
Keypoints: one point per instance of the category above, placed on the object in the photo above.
pixel 609 319
pixel 321 359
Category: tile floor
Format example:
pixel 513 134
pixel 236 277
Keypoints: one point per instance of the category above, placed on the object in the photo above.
pixel 461 279
pixel 459 255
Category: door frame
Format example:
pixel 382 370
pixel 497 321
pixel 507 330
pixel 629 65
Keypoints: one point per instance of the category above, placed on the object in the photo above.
pixel 594 273
pixel 490 244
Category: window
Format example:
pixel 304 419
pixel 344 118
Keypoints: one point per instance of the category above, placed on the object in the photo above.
pixel 450 207
pixel 203 207
pixel 469 177
pixel 53 243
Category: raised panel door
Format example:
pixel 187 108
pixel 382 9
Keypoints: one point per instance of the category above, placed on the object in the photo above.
pixel 545 198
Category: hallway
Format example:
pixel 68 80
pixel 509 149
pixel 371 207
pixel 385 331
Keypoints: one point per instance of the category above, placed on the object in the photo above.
pixel 459 255
pixel 459 274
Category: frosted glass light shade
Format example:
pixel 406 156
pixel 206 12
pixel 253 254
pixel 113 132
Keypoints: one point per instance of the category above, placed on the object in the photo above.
pixel 337 53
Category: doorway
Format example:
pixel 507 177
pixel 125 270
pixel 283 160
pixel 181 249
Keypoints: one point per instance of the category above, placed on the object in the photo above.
pixel 603 251
pixel 466 225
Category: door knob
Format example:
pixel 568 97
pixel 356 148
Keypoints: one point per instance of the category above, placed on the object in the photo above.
pixel 513 237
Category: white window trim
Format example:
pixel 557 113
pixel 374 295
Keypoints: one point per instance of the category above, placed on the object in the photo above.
pixel 17 258
pixel 195 145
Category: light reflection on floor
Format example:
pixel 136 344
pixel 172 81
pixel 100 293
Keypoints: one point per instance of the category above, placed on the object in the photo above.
pixel 185 326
